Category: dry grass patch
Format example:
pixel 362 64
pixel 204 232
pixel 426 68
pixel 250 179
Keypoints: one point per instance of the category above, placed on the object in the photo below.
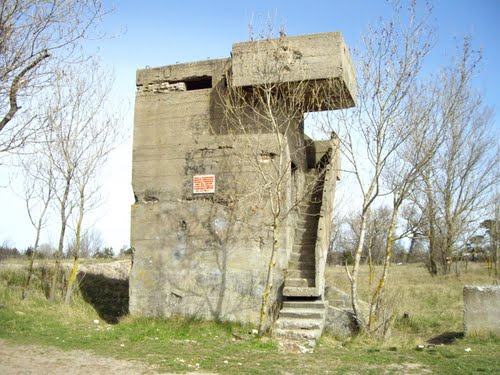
pixel 426 306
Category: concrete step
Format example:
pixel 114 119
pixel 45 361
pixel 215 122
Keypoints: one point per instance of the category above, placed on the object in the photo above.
pixel 310 212
pixel 314 193
pixel 300 248
pixel 305 304
pixel 295 313
pixel 299 282
pixel 309 215
pixel 307 223
pixel 298 334
pixel 301 321
pixel 290 291
pixel 315 198
pixel 311 241
pixel 311 199
pixel 301 274
pixel 305 239
pixel 291 323
pixel 305 236
pixel 307 204
pixel 298 265
pixel 303 256
pixel 308 229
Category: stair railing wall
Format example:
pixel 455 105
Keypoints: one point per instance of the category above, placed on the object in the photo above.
pixel 324 224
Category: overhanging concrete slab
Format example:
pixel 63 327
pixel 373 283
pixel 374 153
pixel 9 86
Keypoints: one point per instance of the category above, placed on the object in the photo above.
pixel 319 58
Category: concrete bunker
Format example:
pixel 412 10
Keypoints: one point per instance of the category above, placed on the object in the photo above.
pixel 202 246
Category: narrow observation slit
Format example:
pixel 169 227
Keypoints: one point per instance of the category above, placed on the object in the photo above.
pixel 198 83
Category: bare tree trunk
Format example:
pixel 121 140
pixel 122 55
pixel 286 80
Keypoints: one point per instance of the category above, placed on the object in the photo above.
pixel 59 254
pixel 431 217
pixel 264 308
pixel 377 302
pixel 371 268
pixel 275 202
pixel 37 224
pixel 32 260
pixel 354 276
pixel 76 255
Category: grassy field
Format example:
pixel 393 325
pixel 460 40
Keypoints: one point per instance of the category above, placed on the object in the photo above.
pixel 433 307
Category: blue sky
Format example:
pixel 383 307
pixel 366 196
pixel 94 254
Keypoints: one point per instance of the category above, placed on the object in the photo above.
pixel 156 33
pixel 165 32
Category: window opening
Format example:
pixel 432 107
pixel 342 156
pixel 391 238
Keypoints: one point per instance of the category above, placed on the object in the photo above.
pixel 195 83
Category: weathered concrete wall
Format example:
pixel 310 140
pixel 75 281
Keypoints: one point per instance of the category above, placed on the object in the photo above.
pixel 193 262
pixel 196 255
pixel 482 309
pixel 170 127
pixel 330 150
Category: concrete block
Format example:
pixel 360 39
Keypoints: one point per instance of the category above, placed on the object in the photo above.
pixel 292 323
pixel 312 57
pixel 340 320
pixel 482 309
pixel 298 334
pixel 292 291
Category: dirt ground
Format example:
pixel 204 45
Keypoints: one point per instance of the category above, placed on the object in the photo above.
pixel 31 359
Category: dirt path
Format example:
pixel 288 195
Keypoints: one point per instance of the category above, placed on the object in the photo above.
pixel 31 359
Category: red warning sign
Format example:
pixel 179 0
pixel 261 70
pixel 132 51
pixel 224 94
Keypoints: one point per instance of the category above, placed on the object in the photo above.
pixel 203 184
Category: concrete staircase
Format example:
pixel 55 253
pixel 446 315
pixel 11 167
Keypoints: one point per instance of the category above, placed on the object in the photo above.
pixel 301 321
pixel 302 317
pixel 301 276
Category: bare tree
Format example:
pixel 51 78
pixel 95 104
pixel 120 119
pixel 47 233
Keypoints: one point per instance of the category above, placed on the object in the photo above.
pixel 389 67
pixel 37 38
pixel 38 195
pixel 101 136
pixel 400 178
pixel 376 234
pixel 460 178
pixel 80 137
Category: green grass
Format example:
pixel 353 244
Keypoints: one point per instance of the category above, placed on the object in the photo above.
pixel 178 345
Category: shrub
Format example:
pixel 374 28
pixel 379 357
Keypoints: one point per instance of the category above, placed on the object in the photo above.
pixel 106 253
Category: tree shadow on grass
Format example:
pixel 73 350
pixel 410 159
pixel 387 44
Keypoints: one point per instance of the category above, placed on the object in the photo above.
pixel 446 338
pixel 108 296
